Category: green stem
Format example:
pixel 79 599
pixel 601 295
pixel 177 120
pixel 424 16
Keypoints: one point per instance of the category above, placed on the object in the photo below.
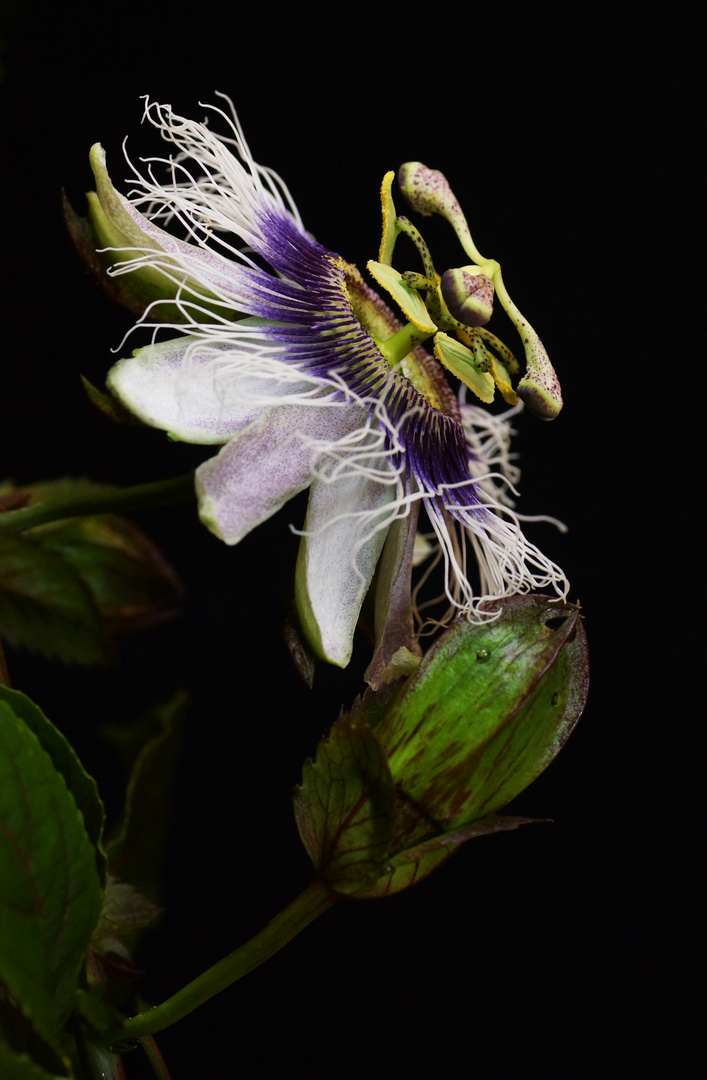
pixel 104 500
pixel 313 902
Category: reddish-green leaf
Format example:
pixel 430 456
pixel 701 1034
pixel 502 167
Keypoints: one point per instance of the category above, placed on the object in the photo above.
pixel 129 580
pixel 344 807
pixel 82 786
pixel 124 910
pixel 50 889
pixel 415 863
pixel 45 606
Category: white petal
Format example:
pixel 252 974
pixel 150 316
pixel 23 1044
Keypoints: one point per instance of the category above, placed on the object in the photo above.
pixel 188 388
pixel 345 530
pixel 267 463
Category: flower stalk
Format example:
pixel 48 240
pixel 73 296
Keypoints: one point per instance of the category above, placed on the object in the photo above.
pixel 311 903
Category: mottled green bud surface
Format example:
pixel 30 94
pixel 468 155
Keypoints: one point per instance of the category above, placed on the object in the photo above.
pixel 468 293
pixel 489 708
pixel 415 770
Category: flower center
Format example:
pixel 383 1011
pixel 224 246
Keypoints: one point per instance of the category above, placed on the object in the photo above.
pixel 453 308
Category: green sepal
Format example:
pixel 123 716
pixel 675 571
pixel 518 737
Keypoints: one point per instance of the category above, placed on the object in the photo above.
pixel 488 709
pixel 304 633
pixel 133 291
pixel 50 886
pixel 415 863
pixel 109 235
pixel 345 805
pixel 109 405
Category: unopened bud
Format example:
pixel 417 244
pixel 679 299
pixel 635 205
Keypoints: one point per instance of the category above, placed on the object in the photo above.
pixel 468 293
pixel 420 767
pixel 427 190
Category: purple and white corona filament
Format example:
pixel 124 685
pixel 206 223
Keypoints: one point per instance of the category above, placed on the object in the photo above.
pixel 306 378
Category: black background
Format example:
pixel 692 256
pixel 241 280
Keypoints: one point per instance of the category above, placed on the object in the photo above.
pixel 566 131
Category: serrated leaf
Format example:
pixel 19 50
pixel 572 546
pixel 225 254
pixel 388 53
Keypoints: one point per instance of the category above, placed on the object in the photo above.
pixel 45 606
pixel 82 786
pixel 69 585
pixel 130 582
pixel 415 863
pixel 50 891
pixel 152 747
pixel 15 1066
pixel 345 806
pixel 125 909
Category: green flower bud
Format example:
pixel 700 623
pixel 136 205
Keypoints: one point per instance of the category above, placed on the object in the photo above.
pixel 468 293
pixel 413 771
pixel 427 190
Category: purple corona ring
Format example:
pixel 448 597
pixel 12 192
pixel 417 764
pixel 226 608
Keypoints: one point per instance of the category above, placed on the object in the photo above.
pixel 284 357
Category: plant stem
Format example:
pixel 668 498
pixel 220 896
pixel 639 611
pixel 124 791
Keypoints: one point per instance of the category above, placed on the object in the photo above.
pixel 155 1058
pixel 105 500
pixel 313 902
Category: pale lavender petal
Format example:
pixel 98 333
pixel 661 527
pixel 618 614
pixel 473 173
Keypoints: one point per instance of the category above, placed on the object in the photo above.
pixel 196 390
pixel 266 464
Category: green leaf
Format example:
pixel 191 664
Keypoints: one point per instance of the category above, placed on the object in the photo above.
pixel 50 890
pixel 415 863
pixel 82 786
pixel 129 580
pixel 151 747
pixel 345 805
pixel 124 910
pixel 45 606
pixel 68 585
pixel 21 1067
